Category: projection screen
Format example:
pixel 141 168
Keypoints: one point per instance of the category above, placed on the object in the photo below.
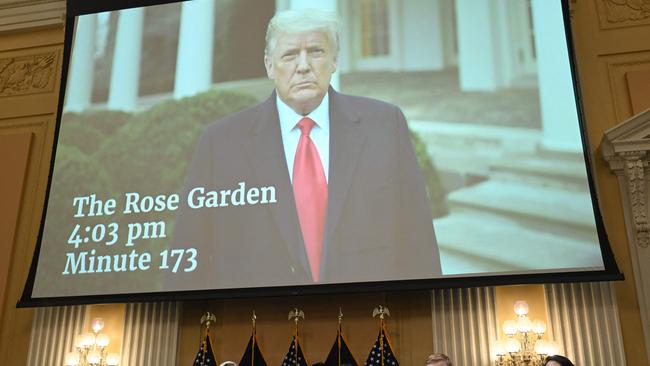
pixel 442 147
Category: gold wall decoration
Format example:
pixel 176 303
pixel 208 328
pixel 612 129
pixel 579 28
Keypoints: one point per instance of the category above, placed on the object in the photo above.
pixel 29 74
pixel 623 13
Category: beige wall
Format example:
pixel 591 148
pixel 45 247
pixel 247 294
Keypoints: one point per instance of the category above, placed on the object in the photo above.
pixel 613 58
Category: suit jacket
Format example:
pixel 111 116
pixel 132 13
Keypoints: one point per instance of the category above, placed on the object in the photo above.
pixel 378 224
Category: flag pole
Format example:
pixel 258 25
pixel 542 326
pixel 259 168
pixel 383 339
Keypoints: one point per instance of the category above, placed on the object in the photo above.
pixel 206 320
pixel 295 315
pixel 338 336
pixel 253 319
pixel 382 311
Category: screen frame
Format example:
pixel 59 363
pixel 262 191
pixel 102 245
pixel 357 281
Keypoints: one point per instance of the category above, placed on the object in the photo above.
pixel 610 272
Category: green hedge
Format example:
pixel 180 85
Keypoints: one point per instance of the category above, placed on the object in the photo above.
pixel 113 152
pixel 436 192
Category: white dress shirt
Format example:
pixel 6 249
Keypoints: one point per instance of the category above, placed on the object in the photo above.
pixel 320 133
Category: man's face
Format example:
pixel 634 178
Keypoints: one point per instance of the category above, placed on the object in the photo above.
pixel 301 65
pixel 553 363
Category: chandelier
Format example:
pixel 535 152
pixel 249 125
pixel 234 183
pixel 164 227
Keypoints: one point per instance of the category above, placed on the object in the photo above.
pixel 523 345
pixel 91 348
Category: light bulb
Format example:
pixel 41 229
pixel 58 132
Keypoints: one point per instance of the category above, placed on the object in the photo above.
pixel 512 345
pixel 102 340
pixel 524 325
pixel 509 327
pixel 72 359
pixel 93 357
pixel 113 359
pixel 87 340
pixel 79 341
pixel 539 327
pixel 97 325
pixel 500 348
pixel 521 307
pixel 541 347
pixel 553 348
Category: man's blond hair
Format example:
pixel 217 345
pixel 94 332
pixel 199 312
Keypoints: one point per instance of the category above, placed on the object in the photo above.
pixel 438 357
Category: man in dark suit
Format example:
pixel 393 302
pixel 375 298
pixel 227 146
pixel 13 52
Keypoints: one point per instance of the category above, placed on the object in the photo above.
pixel 349 204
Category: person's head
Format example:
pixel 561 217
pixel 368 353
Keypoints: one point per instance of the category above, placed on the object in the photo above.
pixel 557 360
pixel 300 56
pixel 228 363
pixel 438 359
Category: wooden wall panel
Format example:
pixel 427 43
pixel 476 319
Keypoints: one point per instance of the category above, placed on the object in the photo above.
pixel 29 85
pixel 409 326
pixel 606 48
pixel 638 85
pixel 14 148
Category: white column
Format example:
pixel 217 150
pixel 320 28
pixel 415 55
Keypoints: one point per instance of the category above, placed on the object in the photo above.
pixel 326 5
pixel 125 75
pixel 80 80
pixel 195 48
pixel 483 52
pixel 422 35
pixel 557 101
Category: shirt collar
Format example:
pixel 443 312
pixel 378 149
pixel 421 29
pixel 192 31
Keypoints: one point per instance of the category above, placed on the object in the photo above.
pixel 289 118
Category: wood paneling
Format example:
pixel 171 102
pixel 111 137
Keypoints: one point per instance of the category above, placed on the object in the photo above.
pixel 604 54
pixel 25 114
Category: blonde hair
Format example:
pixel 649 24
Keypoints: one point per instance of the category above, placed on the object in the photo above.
pixel 437 357
pixel 302 20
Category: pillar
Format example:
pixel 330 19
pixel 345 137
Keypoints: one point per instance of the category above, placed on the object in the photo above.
pixel 125 74
pixel 195 48
pixel 486 53
pixel 80 80
pixel 422 35
pixel 560 129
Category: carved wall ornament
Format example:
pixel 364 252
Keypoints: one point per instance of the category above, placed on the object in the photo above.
pixel 618 11
pixel 28 74
pixel 626 148
pixel 635 164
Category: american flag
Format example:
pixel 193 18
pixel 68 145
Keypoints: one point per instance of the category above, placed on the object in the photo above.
pixel 295 356
pixel 205 356
pixel 376 356
pixel 340 353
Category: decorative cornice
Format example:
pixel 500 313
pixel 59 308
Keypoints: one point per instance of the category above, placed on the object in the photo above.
pixel 23 15
pixel 29 74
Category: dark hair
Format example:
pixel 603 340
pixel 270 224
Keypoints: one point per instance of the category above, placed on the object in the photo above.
pixel 563 361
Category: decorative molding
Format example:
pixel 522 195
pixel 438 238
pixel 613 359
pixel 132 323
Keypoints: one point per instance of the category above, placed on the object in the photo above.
pixel 584 319
pixel 617 66
pixel 29 74
pixel 23 15
pixel 464 324
pixel 624 10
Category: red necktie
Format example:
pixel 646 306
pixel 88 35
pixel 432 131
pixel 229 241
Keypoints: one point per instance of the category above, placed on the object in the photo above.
pixel 310 192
